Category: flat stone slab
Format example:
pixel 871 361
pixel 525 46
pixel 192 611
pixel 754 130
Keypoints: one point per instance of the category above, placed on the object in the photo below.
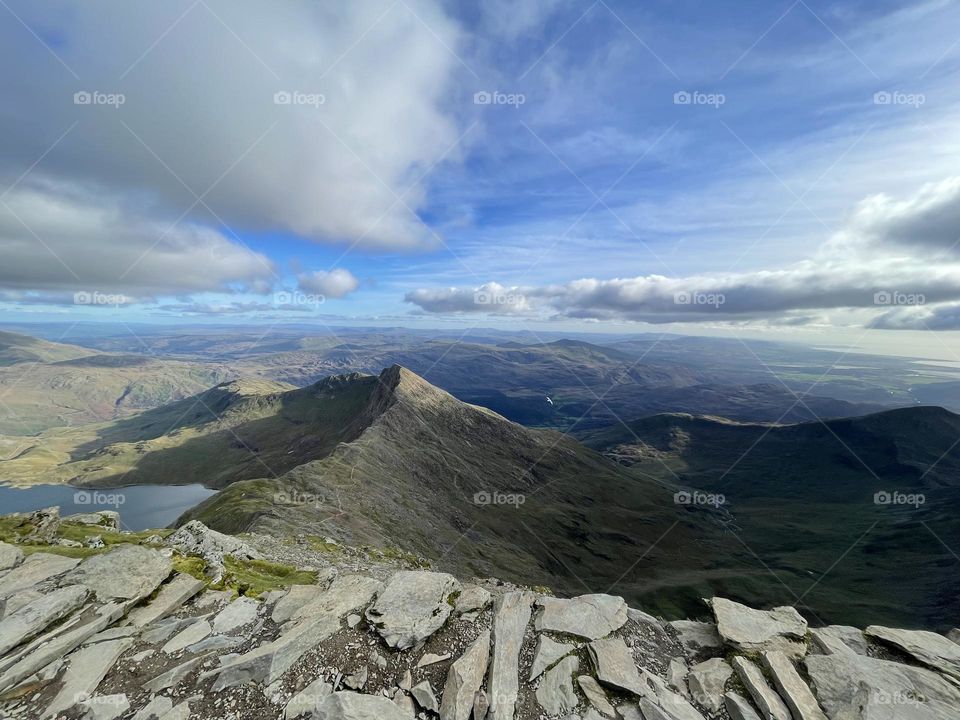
pixel 35 569
pixel 237 614
pixel 464 679
pixel 587 616
pixel 511 615
pixel 173 676
pixel 615 666
pixel 32 619
pixel 839 639
pixel 928 648
pixel 171 596
pixel 770 703
pixel 10 556
pixel 413 606
pixel 749 630
pixel 698 638
pixel 738 707
pixel 547 653
pixel 425 697
pixel 792 688
pixel 353 706
pixel 556 694
pixel 854 687
pixel 596 695
pixel 345 594
pixel 472 601
pixel 307 700
pixel 660 702
pixel 190 635
pixel 87 668
pixel 706 682
pixel 295 598
pixel 131 572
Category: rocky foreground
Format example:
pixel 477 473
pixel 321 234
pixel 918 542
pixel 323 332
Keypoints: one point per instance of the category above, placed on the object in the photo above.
pixel 150 626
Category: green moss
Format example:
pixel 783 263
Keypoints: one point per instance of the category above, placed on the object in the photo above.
pixel 191 565
pixel 452 598
pixel 253 577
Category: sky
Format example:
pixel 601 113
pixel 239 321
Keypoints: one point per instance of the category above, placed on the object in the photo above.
pixel 786 170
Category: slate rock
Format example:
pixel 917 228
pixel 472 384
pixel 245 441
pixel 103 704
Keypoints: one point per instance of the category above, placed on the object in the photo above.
pixel 352 706
pixel 798 696
pixel 464 679
pixel 10 556
pixel 555 693
pixel 413 605
pixel 749 630
pixel 614 665
pixel 586 616
pixel 738 707
pixel 770 703
pixel 190 635
pixel 596 695
pixel 839 639
pixel 547 653
pixel 928 648
pixel 35 569
pixel 131 572
pixel 307 700
pixel 171 596
pixel 707 681
pixel 32 619
pixel 237 614
pixel 511 615
pixel 425 697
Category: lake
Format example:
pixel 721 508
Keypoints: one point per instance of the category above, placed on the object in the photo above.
pixel 140 506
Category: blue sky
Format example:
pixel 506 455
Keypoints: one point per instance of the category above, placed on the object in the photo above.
pixel 770 169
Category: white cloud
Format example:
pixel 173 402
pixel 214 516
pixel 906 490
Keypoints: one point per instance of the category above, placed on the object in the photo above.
pixel 334 284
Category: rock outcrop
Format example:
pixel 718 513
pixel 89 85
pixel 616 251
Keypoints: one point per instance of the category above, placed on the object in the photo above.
pixel 122 635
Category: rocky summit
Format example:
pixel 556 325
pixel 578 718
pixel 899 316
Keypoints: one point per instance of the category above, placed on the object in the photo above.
pixel 195 624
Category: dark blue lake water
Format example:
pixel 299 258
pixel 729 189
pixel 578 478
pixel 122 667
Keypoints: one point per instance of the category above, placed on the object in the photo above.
pixel 140 506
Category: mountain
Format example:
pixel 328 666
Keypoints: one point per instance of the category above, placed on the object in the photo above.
pixel 46 385
pixel 833 507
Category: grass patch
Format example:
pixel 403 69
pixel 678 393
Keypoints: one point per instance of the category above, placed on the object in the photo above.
pixel 191 565
pixel 71 552
pixel 253 577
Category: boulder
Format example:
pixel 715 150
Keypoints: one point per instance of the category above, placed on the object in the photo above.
pixel 586 616
pixel 107 519
pixel 156 709
pixel 791 686
pixel 32 619
pixel 677 672
pixel 345 594
pixel 771 705
pixel 464 679
pixel 45 524
pixel 471 602
pixel 131 572
pixel 749 630
pixel 195 538
pixel 707 681
pixel 854 687
pixel 927 648
pixel 413 605
pixel 615 666
pixel 556 694
pixel 352 706
pixel 547 653
pixel 511 614
pixel 10 556
pixel 699 639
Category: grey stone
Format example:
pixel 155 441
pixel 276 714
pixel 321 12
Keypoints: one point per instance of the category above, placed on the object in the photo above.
pixel 641 618
pixel 240 612
pixel 109 519
pixel 738 707
pixel 105 707
pixel 464 679
pixel 195 538
pixel 839 639
pixel 677 675
pixel 216 643
pixel 87 668
pixel 190 635
pixel 413 605
pixel 556 693
pixel 351 706
pixel 171 596
pixel 481 703
pixel 749 630
pixel 164 629
pixel 614 665
pixel 35 569
pixel 180 712
pixel 114 633
pixel 10 556
pixel 21 599
pixel 307 700
pixel 511 614
pixel 659 701
pixel 707 681
pixel 425 697
pixel 406 681
pixel 771 705
pixel 596 696
pixel 791 686
pixel 472 601
pixel 432 659
pixel 547 653
pixel 295 598
pixel 927 648
pixel 358 680
pixel 353 620
pixel 587 616
pixel 345 594
pixel 406 704
pixel 173 677
pixel 699 639
pixel 853 687
pixel 131 572
pixel 32 619
pixel 155 709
